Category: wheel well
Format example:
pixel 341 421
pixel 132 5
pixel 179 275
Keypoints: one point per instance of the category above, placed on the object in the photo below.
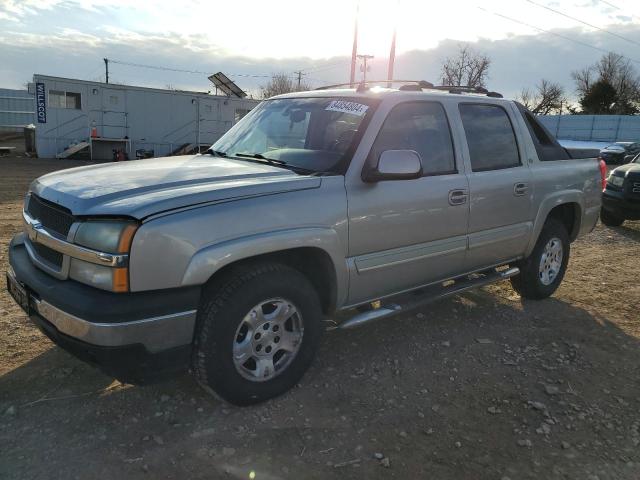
pixel 313 263
pixel 569 215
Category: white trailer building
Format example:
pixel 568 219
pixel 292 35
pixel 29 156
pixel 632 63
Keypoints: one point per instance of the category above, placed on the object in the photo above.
pixel 75 116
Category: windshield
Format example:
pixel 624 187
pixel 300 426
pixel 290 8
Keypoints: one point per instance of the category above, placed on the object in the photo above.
pixel 311 134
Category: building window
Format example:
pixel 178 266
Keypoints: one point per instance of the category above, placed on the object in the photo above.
pixel 240 112
pixel 113 100
pixel 70 100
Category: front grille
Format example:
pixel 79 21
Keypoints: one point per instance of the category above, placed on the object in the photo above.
pixel 50 256
pixel 52 217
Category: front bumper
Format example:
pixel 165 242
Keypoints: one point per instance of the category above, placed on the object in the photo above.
pixel 136 337
pixel 616 203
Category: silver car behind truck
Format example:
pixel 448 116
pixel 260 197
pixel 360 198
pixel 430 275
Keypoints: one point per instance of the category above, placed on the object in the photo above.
pixel 339 204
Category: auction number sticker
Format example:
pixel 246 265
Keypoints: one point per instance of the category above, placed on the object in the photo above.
pixel 353 108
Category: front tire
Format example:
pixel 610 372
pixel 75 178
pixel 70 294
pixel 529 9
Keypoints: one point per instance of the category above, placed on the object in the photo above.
pixel 258 331
pixel 542 272
pixel 610 219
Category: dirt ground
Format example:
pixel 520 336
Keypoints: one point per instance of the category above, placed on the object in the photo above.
pixel 482 386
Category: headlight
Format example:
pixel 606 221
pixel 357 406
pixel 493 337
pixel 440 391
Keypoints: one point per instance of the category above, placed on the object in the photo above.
pixel 108 236
pixel 615 180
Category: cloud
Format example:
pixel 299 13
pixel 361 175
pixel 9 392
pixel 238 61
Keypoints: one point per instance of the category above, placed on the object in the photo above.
pixel 517 61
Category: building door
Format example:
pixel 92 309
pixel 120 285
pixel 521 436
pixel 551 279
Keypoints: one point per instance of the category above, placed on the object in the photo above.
pixel 114 116
pixel 209 124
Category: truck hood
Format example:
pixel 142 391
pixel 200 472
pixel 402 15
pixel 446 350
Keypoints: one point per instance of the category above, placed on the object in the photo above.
pixel 143 187
pixel 628 167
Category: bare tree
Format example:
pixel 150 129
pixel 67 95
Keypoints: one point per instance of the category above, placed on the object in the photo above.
pixel 584 80
pixel 468 68
pixel 546 98
pixel 282 83
pixel 617 71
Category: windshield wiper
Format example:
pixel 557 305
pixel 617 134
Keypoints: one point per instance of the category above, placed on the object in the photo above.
pixel 217 153
pixel 260 156
pixel 273 161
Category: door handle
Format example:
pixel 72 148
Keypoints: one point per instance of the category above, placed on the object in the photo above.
pixel 520 189
pixel 458 197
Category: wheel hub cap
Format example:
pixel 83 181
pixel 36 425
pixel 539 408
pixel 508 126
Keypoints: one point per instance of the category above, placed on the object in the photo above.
pixel 551 261
pixel 267 339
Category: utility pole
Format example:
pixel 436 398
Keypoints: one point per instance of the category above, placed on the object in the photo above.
pixel 392 52
pixel 392 59
pixel 299 74
pixel 354 50
pixel 363 67
pixel 106 70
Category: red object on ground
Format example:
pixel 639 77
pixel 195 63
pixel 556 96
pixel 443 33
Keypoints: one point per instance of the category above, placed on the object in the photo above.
pixel 94 132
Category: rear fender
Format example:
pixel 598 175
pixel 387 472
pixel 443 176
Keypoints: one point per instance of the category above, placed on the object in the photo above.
pixel 549 203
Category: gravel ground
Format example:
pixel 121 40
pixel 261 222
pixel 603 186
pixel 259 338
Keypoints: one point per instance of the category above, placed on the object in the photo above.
pixel 482 386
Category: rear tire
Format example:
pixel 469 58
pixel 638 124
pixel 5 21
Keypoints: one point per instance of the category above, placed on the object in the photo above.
pixel 542 272
pixel 258 331
pixel 610 219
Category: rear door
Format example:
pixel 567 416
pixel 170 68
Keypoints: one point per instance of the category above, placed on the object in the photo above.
pixel 406 233
pixel 500 217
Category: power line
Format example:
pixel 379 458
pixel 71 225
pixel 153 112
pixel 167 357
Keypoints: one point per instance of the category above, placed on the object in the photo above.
pixel 610 4
pixel 558 12
pixel 618 8
pixel 579 42
pixel 325 67
pixel 169 69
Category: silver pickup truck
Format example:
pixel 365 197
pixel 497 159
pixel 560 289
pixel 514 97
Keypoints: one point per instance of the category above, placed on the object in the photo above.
pixel 334 207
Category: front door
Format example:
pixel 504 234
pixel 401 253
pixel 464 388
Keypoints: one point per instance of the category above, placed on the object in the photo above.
pixel 114 121
pixel 407 233
pixel 500 218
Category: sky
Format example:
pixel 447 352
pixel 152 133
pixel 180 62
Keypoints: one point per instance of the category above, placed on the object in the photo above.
pixel 250 40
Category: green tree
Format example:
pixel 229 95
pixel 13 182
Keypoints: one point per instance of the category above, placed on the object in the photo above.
pixel 611 71
pixel 600 99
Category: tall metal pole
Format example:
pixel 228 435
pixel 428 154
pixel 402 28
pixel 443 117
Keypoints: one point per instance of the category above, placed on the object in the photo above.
pixel 392 58
pixel 106 70
pixel 354 50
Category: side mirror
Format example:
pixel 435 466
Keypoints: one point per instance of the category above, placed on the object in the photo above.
pixel 395 165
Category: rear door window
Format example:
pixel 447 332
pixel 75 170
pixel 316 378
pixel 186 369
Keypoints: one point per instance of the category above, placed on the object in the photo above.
pixel 490 137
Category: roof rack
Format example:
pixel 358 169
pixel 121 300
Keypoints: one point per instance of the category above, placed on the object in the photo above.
pixel 417 86
pixel 458 89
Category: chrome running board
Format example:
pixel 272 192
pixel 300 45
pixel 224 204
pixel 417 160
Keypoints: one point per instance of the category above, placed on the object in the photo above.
pixel 409 301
